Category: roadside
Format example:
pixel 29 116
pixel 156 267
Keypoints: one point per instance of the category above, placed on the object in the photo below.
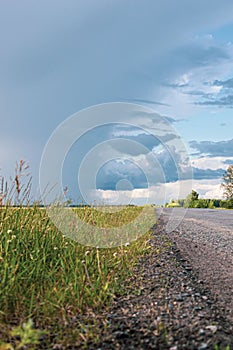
pixel 205 238
pixel 167 306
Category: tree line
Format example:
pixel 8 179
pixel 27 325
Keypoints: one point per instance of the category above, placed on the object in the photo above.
pixel 193 200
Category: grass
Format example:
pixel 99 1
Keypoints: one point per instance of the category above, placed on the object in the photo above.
pixel 52 287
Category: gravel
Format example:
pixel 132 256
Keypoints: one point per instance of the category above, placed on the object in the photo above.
pixel 180 294
pixel 205 238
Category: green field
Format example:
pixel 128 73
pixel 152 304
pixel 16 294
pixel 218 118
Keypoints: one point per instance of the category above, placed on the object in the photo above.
pixel 48 280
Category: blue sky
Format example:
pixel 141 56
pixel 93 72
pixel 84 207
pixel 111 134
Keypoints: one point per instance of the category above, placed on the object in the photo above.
pixel 58 57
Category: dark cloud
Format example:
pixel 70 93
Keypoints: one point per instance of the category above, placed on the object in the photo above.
pixel 225 83
pixel 114 171
pixel 141 137
pixel 168 165
pixel 225 101
pixel 207 174
pixel 213 149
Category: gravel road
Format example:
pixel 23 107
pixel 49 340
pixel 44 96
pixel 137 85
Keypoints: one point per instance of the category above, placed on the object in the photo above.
pixel 205 238
pixel 180 295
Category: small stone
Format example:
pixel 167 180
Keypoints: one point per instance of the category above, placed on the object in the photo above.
pixel 197 308
pixel 121 335
pixel 188 268
pixel 212 328
pixel 185 295
pixel 179 298
pixel 201 332
pixel 183 260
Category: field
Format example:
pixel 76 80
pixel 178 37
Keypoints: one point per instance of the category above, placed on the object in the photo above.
pixel 51 287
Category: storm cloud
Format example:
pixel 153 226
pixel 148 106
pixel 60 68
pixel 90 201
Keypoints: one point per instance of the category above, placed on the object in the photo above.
pixel 213 149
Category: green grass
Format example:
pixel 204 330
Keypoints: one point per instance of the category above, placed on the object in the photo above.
pixel 51 279
pixel 52 288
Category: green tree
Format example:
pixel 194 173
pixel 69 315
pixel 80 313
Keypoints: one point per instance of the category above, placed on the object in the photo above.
pixel 191 199
pixel 227 184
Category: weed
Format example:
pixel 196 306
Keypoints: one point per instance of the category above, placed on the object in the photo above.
pixel 51 279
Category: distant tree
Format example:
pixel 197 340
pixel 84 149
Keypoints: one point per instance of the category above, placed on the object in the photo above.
pixel 191 199
pixel 181 202
pixel 217 203
pixel 202 203
pixel 194 195
pixel 173 204
pixel 228 184
pixel 211 204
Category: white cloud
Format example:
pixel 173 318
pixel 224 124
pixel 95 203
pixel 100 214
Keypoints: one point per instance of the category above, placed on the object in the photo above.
pixel 215 89
pixel 161 193
pixel 212 163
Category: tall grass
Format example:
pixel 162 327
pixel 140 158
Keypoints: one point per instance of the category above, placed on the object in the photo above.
pixel 50 278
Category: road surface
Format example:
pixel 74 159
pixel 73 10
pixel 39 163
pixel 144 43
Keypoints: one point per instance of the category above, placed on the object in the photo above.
pixel 205 239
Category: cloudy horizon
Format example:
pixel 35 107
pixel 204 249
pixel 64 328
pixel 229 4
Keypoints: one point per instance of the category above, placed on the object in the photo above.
pixel 173 59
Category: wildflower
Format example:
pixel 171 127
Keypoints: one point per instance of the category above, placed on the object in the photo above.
pixel 55 248
pixel 13 236
pixel 127 244
pixel 87 252
pixel 9 231
pixel 115 254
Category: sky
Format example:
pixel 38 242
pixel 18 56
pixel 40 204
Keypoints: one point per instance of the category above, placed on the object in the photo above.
pixel 169 65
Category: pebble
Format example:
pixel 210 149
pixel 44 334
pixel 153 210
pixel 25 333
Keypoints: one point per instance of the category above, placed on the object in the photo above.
pixel 179 298
pixel 188 268
pixel 201 332
pixel 213 329
pixel 184 295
